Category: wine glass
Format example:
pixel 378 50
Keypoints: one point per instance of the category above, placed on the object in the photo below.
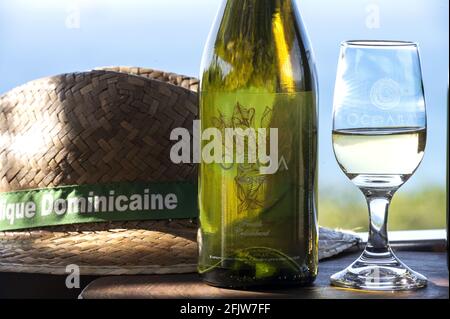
pixel 379 136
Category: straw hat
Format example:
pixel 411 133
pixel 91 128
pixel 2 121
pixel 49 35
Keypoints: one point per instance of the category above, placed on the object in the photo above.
pixel 106 126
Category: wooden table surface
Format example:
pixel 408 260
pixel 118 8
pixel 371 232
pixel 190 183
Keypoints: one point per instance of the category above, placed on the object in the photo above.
pixel 431 264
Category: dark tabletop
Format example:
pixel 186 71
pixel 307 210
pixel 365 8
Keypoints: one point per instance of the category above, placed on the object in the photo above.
pixel 431 264
pixel 33 286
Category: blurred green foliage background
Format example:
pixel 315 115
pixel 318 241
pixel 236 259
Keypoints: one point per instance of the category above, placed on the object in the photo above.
pixel 420 209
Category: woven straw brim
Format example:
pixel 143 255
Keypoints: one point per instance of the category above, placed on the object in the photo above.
pixel 148 247
pixel 167 247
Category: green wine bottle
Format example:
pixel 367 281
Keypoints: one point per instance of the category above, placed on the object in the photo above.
pixel 259 227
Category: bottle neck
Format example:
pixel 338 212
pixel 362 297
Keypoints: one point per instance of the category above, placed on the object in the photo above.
pixel 255 44
pixel 260 6
pixel 262 2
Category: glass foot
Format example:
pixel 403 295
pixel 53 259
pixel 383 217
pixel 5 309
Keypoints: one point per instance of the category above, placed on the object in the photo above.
pixel 378 271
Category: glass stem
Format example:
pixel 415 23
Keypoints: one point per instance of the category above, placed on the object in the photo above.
pixel 378 203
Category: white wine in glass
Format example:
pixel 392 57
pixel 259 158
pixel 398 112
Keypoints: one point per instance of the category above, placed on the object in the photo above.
pixel 379 136
pixel 369 155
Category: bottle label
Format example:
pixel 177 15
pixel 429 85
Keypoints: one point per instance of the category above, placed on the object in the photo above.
pixel 248 213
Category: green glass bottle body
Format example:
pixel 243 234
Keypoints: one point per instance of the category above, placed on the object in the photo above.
pixel 259 228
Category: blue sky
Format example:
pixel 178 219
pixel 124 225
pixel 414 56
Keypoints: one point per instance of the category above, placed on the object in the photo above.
pixel 39 38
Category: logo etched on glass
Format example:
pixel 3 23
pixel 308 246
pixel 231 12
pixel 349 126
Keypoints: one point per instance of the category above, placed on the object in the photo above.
pixel 386 94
